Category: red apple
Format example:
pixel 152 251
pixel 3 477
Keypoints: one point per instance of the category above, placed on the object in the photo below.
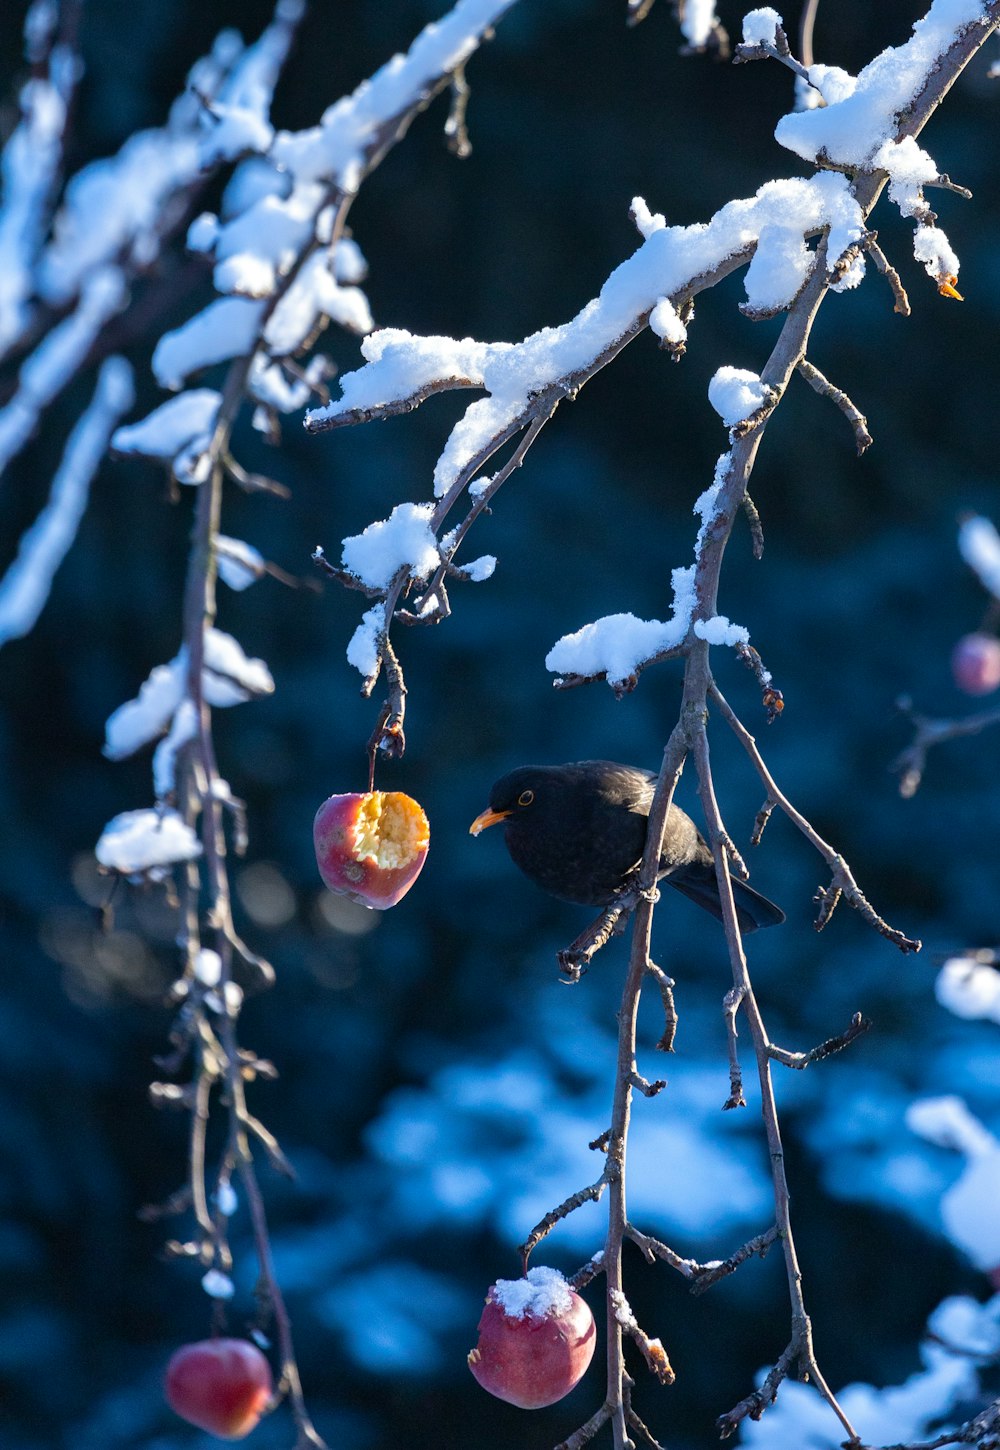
pixel 220 1385
pixel 536 1339
pixel 975 664
pixel 371 847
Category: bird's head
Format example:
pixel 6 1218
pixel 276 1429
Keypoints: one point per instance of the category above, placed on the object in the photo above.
pixel 513 797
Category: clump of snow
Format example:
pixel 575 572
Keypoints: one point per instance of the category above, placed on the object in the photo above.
pixel 854 124
pixel 208 968
pixel 969 988
pixel 218 1285
pixel 541 1294
pixel 229 678
pixel 759 26
pixel 666 323
pixel 718 630
pixel 138 841
pixel 404 540
pixel 699 21
pixel 910 168
pixel 183 728
pixel 479 569
pixel 647 222
pixel 240 564
pixel 979 546
pixel 179 431
pixel 363 646
pixel 226 328
pixel 932 247
pixel 736 394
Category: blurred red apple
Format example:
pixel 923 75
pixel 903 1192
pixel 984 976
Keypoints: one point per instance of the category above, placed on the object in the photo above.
pixel 975 664
pixel 536 1339
pixel 371 847
pixel 220 1385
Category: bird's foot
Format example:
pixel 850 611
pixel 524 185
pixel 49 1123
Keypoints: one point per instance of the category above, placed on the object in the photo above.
pixel 575 959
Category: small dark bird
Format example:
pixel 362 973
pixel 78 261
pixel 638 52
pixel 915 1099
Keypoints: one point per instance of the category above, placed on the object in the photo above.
pixel 579 831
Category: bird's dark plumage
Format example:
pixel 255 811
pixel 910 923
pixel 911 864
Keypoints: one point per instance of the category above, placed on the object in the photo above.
pixel 579 830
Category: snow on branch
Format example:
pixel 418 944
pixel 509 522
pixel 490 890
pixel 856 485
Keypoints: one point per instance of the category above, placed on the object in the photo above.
pixel 25 587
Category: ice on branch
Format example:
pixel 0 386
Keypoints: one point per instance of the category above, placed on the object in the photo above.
pixel 26 585
pixel 140 841
pixel 759 26
pixel 969 988
pixel 736 394
pixel 336 150
pixel 229 678
pixel 402 370
pixel 979 546
pixel 178 432
pixel 404 540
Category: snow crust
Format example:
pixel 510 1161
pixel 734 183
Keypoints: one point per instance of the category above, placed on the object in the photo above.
pixel 541 1294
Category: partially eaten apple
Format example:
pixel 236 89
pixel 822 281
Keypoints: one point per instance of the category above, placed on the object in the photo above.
pixel 371 847
pixel 221 1385
pixel 536 1340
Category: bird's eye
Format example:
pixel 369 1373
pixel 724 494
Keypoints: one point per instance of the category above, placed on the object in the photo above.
pixel 526 797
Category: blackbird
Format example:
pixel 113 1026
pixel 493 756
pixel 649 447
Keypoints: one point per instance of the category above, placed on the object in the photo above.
pixel 579 831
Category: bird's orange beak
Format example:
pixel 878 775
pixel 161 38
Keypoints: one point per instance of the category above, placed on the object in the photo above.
pixel 488 818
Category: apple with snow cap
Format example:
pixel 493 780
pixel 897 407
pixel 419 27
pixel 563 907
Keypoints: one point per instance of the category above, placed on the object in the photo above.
pixel 975 664
pixel 221 1385
pixel 371 846
pixel 536 1339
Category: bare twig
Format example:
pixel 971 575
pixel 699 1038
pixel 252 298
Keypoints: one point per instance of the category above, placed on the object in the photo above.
pixel 826 389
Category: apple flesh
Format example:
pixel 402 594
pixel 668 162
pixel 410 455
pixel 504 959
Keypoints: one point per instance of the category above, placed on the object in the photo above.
pixel 221 1385
pixel 975 664
pixel 536 1339
pixel 371 847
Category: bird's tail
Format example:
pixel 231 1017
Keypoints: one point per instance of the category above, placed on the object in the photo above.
pixel 698 883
